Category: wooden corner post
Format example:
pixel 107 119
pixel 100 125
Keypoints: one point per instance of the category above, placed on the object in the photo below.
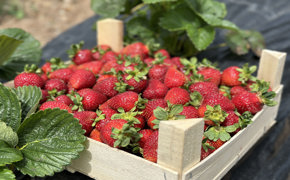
pixel 271 67
pixel 110 32
pixel 179 143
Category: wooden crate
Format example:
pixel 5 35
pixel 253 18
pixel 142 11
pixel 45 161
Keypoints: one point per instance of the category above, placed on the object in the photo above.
pixel 180 141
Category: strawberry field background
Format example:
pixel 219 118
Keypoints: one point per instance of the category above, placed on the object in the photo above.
pixel 269 158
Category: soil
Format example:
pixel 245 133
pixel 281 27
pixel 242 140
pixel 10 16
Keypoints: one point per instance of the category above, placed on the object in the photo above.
pixel 45 19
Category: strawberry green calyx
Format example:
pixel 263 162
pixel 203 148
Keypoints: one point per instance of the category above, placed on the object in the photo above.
pixel 206 146
pixel 56 63
pixel 54 93
pixel 159 59
pixel 205 63
pixel 77 100
pixel 226 91
pixel 100 116
pixel 190 66
pixel 195 99
pixel 137 74
pixel 169 113
pixel 126 136
pixel 121 86
pixel 133 60
pixel 215 114
pixel 246 73
pixel 129 116
pixel 74 49
pixel 32 68
pixel 261 88
pixel 245 119
pixel 141 103
pixel 218 132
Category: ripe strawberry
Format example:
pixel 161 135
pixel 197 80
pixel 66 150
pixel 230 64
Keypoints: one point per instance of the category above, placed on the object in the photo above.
pixel 158 72
pixel 174 78
pixel 189 112
pixel 237 90
pixel 55 104
pixel 117 65
pixel 86 119
pixel 235 76
pixel 231 119
pixel 211 74
pixel 94 66
pixel 136 49
pixel 109 56
pixel 155 90
pixel 177 95
pixel 103 117
pixel 79 55
pixel 150 123
pixel 151 105
pixel 82 79
pixel 145 135
pixel 149 61
pixel 91 99
pixel 44 77
pixel 138 85
pixel 214 145
pixel 63 74
pixel 64 99
pixel 247 101
pixel 99 51
pixel 45 95
pixel 177 62
pixel 46 68
pixel 125 100
pixel 163 52
pixel 150 147
pixel 96 135
pixel 104 76
pixel 57 84
pixel 204 88
pixel 28 79
pixel 219 99
pixel 107 86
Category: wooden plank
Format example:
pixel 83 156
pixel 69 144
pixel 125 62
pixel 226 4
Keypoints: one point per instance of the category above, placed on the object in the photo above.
pixel 216 165
pixel 179 143
pixel 271 67
pixel 110 32
pixel 103 162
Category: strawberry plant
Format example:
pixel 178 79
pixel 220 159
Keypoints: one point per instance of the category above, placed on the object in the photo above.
pixel 183 27
pixel 35 143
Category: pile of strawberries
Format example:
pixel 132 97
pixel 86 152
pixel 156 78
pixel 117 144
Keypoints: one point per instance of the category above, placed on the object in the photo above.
pixel 120 98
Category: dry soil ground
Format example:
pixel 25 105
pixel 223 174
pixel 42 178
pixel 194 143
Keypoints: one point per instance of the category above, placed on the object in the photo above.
pixel 45 19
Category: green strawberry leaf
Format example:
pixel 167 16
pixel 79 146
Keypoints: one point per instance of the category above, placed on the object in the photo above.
pixel 160 113
pixel 8 135
pixel 7 47
pixel 108 8
pixel 157 1
pixel 232 128
pixel 10 108
pixel 29 97
pixel 176 109
pixel 212 12
pixel 28 52
pixel 8 154
pixel 49 140
pixel 257 42
pixel 6 174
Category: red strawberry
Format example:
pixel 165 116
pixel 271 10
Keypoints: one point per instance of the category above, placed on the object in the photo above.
pixel 189 112
pixel 151 147
pixel 231 119
pixel 109 56
pixel 150 123
pixel 211 74
pixel 177 62
pixel 104 76
pixel 104 117
pixel 136 49
pixel 237 90
pixel 204 88
pixel 86 119
pixel 57 84
pixel 230 76
pixel 106 131
pixel 111 64
pixel 155 90
pixel 151 105
pixel 138 86
pixel 63 74
pixel 44 77
pixel 64 99
pixel 107 86
pixel 91 99
pixel 46 68
pixel 125 100
pixel 149 61
pixel 45 95
pixel 96 135
pixel 55 104
pixel 79 55
pixel 247 101
pixel 174 78
pixel 94 66
pixel 158 72
pixel 28 79
pixel 177 95
pixel 142 121
pixel 82 79
pixel 145 135
pixel 219 99
pixel 214 144
pixel 163 52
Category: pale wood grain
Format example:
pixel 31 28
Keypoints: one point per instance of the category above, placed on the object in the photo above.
pixel 110 32
pixel 271 67
pixel 179 143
